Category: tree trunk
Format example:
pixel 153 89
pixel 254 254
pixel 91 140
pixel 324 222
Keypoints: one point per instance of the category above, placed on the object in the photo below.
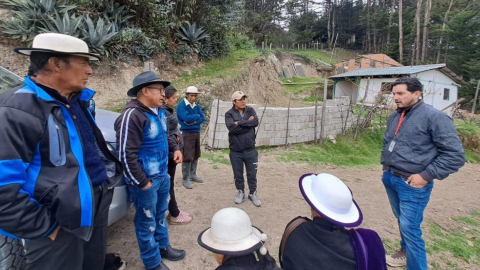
pixel 369 42
pixel 374 27
pixel 443 29
pixel 426 22
pixel 390 22
pixel 333 21
pixel 416 51
pixel 329 27
pixel 400 29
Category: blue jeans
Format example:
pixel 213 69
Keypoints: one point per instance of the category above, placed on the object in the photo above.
pixel 408 204
pixel 150 223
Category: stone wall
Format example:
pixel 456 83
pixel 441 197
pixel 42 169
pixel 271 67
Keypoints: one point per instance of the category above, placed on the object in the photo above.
pixel 273 127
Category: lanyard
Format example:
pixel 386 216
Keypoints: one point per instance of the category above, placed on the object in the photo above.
pixel 400 121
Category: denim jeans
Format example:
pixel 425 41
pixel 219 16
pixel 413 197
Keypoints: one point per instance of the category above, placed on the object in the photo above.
pixel 150 223
pixel 408 204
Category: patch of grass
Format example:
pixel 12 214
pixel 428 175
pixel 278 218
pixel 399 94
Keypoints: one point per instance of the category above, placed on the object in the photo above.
pixel 313 55
pixel 216 157
pixel 365 151
pixel 463 244
pixel 311 99
pixel 390 245
pixel 467 128
pixel 299 89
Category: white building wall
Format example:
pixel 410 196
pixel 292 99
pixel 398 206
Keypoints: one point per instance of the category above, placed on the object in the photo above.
pixel 434 82
pixel 374 87
pixel 346 89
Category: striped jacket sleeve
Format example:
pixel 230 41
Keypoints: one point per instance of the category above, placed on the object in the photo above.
pixel 129 130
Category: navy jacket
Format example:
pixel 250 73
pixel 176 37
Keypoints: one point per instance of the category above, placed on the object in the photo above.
pixel 43 181
pixel 427 143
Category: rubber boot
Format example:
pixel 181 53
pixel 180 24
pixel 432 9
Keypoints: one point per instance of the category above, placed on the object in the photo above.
pixel 193 172
pixel 186 174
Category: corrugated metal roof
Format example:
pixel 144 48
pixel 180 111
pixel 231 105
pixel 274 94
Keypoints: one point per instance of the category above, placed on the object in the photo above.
pixel 405 70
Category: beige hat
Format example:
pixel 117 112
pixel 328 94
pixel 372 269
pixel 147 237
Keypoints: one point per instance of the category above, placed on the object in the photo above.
pixel 193 90
pixel 58 43
pixel 231 233
pixel 238 95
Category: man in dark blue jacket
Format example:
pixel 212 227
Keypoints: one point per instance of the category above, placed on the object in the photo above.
pixel 190 116
pixel 144 143
pixel 54 188
pixel 419 145
pixel 241 121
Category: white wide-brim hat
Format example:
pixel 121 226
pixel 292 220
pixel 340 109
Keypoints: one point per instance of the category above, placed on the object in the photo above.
pixel 58 43
pixel 231 233
pixel 193 90
pixel 331 198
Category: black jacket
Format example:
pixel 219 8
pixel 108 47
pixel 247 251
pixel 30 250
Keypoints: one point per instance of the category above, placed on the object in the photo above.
pixel 173 130
pixel 43 181
pixel 241 136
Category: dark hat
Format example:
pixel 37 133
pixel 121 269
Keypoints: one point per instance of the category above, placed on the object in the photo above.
pixel 144 79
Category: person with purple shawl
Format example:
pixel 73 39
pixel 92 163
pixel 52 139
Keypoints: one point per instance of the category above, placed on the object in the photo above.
pixel 323 242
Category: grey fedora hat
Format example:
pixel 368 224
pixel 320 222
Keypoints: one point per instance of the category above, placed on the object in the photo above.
pixel 144 79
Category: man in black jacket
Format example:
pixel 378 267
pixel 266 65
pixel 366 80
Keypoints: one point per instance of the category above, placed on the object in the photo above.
pixel 54 186
pixel 241 121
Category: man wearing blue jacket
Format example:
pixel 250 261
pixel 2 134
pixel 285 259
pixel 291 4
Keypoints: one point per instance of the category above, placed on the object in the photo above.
pixel 419 145
pixel 54 187
pixel 190 117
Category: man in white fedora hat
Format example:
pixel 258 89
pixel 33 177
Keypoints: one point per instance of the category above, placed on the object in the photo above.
pixel 54 188
pixel 190 116
pixel 323 242
pixel 235 243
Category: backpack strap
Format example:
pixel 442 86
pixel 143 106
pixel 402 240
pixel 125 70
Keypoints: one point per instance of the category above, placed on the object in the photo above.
pixel 288 230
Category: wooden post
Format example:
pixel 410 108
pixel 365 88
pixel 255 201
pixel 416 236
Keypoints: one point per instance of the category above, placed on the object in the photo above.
pixel 263 114
pixel 263 45
pixel 476 96
pixel 316 108
pixel 361 109
pixel 298 46
pixel 288 118
pixel 282 46
pixel 215 126
pixel 270 46
pixel 324 109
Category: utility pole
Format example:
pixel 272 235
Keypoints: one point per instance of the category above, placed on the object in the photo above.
pixel 476 96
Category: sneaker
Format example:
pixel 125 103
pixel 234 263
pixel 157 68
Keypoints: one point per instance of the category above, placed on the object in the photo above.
pixel 182 219
pixel 239 197
pixel 398 259
pixel 255 200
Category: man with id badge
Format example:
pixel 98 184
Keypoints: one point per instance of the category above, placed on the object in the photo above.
pixel 420 144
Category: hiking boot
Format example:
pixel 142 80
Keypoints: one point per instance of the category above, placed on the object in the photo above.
pixel 398 259
pixel 239 197
pixel 193 173
pixel 172 254
pixel 182 219
pixel 255 200
pixel 186 175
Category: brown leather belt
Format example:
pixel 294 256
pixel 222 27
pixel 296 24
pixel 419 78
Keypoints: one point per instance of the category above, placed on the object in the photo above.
pixel 400 175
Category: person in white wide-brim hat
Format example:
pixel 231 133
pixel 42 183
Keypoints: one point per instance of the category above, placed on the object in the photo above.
pixel 235 242
pixel 54 181
pixel 190 117
pixel 323 242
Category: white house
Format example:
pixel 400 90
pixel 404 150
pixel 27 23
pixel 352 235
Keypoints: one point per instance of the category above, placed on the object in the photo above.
pixel 440 85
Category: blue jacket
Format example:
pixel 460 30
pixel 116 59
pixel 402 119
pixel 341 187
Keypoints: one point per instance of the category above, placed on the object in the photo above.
pixel 43 181
pixel 189 119
pixel 143 143
pixel 427 143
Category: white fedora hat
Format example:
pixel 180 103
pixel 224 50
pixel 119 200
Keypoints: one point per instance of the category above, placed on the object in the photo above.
pixel 231 233
pixel 331 198
pixel 193 90
pixel 58 43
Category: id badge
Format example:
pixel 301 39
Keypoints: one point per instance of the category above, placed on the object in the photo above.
pixel 392 145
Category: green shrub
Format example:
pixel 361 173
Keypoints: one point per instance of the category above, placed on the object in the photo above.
pixel 213 47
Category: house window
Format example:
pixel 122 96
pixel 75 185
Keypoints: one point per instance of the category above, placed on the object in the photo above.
pixel 446 94
pixel 386 88
pixel 373 63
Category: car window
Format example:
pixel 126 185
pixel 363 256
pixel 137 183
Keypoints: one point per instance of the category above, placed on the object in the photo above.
pixel 8 80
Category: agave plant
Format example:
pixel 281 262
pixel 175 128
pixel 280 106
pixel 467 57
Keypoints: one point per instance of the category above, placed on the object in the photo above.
pixel 191 36
pixel 18 29
pixel 46 6
pixel 98 35
pixel 68 25
pixel 115 14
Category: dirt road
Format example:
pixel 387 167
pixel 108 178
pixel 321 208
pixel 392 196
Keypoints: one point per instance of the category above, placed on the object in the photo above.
pixel 282 201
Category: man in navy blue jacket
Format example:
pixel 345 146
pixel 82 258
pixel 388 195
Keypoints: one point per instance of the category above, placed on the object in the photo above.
pixel 190 117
